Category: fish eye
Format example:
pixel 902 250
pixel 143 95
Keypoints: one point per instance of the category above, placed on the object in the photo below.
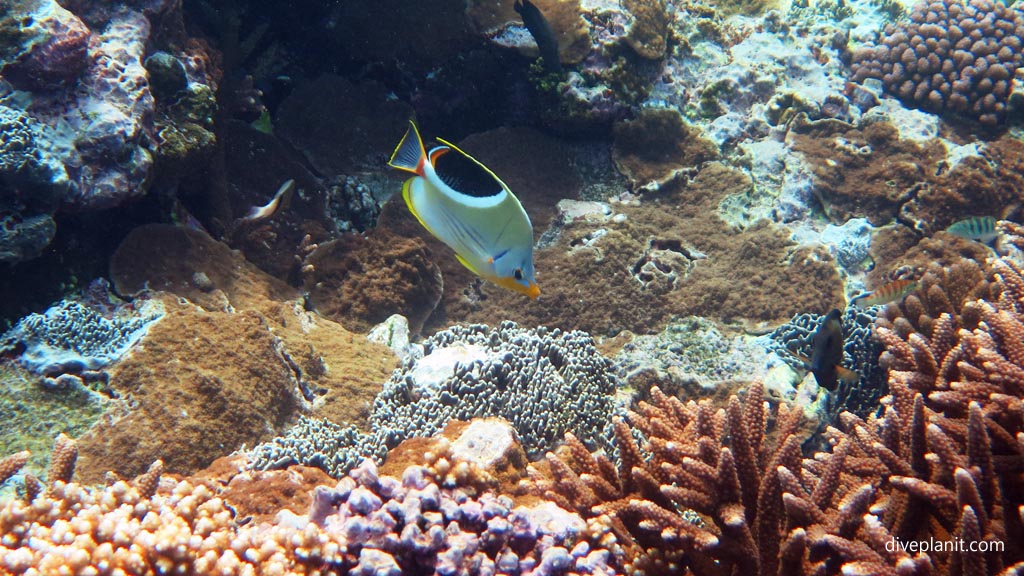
pixel 518 273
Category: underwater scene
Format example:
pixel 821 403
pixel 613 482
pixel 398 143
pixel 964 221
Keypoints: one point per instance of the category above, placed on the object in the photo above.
pixel 518 287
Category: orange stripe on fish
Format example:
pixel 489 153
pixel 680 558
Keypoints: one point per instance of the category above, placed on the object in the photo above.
pixel 890 292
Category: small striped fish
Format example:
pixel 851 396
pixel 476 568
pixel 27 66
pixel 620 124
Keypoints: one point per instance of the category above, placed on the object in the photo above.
pixel 980 228
pixel 891 292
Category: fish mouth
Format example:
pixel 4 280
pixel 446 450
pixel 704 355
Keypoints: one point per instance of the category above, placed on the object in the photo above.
pixel 532 289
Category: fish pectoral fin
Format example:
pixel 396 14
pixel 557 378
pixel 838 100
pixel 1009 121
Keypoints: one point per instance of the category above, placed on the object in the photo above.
pixel 804 359
pixel 499 256
pixel 846 375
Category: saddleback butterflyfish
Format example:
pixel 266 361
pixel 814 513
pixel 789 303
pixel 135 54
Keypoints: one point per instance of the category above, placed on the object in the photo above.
pixel 466 206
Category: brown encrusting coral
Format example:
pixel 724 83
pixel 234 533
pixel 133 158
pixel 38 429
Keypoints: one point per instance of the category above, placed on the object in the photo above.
pixel 358 281
pixel 648 34
pixel 915 182
pixel 235 362
pixel 663 255
pixel 899 252
pixel 202 384
pixel 656 144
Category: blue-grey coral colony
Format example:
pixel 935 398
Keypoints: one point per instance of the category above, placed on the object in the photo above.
pixel 950 56
pixel 860 349
pixel 544 382
pixel 71 338
pixel 448 530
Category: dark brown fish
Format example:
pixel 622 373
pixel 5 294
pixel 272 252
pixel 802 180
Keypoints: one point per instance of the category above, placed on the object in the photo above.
pixel 542 33
pixel 827 354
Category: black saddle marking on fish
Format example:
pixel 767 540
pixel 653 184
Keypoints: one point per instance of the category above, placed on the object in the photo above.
pixel 465 176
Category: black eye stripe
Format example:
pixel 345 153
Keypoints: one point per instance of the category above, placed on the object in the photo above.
pixel 518 274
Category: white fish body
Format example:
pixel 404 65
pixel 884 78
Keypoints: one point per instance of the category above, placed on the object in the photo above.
pixel 466 206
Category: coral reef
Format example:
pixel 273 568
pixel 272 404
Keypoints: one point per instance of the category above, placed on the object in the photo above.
pixel 190 264
pixel 658 142
pixel 72 338
pixel 343 370
pixel 728 480
pixel 647 33
pixel 482 455
pixel 34 414
pixel 925 185
pixel 202 384
pixel 367 524
pixel 666 254
pixel 860 354
pixel 236 369
pixel 942 461
pixel 50 48
pixel 78 99
pixel 941 290
pixel 315 442
pixel 950 56
pixel 690 358
pixel 544 382
pixel 358 281
pixel 32 183
pixel 500 23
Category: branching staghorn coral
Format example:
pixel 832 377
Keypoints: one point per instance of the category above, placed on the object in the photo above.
pixel 940 290
pixel 944 463
pixel 707 499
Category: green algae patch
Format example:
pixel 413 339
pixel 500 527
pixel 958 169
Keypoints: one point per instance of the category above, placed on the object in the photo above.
pixel 34 415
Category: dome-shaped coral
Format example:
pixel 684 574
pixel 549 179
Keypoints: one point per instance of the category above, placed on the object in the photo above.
pixel 951 56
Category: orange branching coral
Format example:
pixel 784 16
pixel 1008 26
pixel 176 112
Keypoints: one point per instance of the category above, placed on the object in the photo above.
pixel 1012 233
pixel 952 436
pixel 944 463
pixel 719 464
pixel 62 459
pixel 10 465
pixel 941 290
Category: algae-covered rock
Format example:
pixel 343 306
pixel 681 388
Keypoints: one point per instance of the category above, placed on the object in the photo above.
pixel 655 144
pixel 33 415
pixel 649 30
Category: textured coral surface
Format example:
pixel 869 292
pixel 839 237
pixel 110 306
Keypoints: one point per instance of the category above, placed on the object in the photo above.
pixel 203 383
pixel 951 56
pixel 666 255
